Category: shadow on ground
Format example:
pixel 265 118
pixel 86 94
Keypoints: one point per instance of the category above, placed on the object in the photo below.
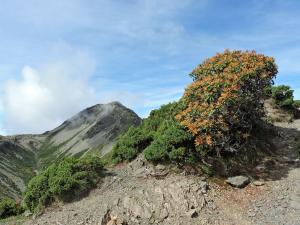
pixel 283 158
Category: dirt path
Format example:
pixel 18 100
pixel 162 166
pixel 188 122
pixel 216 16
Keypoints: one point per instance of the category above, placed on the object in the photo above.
pixel 277 202
pixel 281 202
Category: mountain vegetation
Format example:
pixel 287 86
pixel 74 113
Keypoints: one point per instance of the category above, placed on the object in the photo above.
pixel 62 181
pixel 159 136
pixel 224 101
pixel 9 207
pixel 215 117
pixel 283 97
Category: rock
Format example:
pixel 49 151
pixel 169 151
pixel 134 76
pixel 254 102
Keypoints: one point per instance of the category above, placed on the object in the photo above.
pixel 214 207
pixel 106 218
pixel 160 174
pixel 116 221
pixel 27 213
pixel 163 214
pixel 203 186
pixel 109 219
pixel 260 168
pixel 192 213
pixel 252 214
pixel 238 181
pixel 160 167
pixel 258 183
pixel 135 208
pixel 141 172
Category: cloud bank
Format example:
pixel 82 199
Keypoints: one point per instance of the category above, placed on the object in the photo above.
pixel 142 51
pixel 44 97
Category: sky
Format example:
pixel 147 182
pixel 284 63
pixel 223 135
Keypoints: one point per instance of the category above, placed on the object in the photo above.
pixel 58 57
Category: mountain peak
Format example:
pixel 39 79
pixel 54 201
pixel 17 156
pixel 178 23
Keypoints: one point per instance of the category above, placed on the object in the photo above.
pixel 94 129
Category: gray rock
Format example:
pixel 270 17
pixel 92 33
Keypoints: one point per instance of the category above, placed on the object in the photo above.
pixel 258 183
pixel 163 214
pixel 160 167
pixel 27 213
pixel 252 214
pixel 135 208
pixel 260 168
pixel 192 213
pixel 238 181
pixel 203 186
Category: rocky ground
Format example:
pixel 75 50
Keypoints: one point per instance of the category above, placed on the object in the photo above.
pixel 139 193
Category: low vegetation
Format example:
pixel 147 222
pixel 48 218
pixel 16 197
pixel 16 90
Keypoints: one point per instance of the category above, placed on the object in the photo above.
pixel 160 137
pixel 62 181
pixel 283 96
pixel 149 135
pixel 297 104
pixel 215 116
pixel 173 144
pixel 9 207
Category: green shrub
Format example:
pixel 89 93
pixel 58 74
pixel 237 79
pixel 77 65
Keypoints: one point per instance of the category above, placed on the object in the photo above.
pixel 174 144
pixel 268 91
pixel 283 96
pixel 130 144
pixel 9 207
pixel 296 104
pixel 62 181
pixel 136 139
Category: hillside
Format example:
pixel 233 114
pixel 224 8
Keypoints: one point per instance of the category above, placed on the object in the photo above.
pixel 93 130
pixel 143 193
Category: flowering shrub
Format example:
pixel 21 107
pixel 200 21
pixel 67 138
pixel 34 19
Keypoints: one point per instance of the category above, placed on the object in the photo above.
pixel 224 100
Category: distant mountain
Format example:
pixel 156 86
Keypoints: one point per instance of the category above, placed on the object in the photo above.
pixel 94 130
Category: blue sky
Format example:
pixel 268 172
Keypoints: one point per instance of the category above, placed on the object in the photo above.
pixel 57 57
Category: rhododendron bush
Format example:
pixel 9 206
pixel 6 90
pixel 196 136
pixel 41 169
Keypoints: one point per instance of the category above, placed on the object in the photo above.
pixel 225 98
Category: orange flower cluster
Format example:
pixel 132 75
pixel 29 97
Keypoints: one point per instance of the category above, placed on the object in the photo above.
pixel 223 86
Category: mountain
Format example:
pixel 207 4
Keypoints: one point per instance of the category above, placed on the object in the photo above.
pixel 92 130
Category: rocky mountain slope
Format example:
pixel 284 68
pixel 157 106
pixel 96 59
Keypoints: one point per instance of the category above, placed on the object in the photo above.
pixel 94 130
pixel 141 193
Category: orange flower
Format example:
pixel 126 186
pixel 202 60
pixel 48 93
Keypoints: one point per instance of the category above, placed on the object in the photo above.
pixel 220 84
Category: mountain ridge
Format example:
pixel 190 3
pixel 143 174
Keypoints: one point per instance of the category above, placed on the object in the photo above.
pixel 94 129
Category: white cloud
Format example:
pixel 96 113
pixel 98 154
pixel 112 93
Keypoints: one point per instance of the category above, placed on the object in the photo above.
pixel 45 97
pixel 297 93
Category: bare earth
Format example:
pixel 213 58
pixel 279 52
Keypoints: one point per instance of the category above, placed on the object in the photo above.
pixel 139 193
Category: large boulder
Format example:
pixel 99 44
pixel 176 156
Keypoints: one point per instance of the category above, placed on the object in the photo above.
pixel 238 181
